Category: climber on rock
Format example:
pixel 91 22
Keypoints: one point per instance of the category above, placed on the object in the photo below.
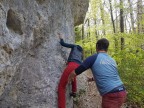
pixel 74 60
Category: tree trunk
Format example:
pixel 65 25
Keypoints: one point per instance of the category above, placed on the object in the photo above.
pixel 116 20
pixel 96 32
pixel 131 15
pixel 122 24
pixel 89 36
pixel 140 15
pixel 82 34
pixel 82 38
pixel 102 17
pixel 112 19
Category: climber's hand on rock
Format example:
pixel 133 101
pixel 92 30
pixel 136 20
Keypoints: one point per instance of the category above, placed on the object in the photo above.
pixel 60 36
pixel 71 76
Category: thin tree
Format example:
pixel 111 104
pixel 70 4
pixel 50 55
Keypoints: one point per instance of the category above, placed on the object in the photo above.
pixel 140 17
pixel 102 17
pixel 117 17
pixel 113 23
pixel 82 38
pixel 131 15
pixel 96 32
pixel 112 19
pixel 122 24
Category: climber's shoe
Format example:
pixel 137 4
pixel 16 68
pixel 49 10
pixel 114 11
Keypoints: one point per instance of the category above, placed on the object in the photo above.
pixel 73 94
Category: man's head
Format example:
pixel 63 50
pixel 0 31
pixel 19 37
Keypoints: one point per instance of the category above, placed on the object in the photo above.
pixel 102 45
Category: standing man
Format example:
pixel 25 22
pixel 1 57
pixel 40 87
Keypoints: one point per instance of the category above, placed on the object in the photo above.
pixel 74 60
pixel 105 74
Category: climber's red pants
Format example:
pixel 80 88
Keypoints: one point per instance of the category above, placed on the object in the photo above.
pixel 63 82
pixel 113 100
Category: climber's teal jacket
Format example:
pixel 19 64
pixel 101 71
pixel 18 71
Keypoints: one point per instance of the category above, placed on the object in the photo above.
pixel 76 52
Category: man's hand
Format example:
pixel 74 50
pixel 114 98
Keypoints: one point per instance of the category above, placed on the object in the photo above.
pixel 60 36
pixel 71 76
pixel 90 79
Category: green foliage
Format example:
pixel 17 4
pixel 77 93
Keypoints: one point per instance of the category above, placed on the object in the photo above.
pixel 131 66
pixel 78 33
pixel 130 60
pixel 79 95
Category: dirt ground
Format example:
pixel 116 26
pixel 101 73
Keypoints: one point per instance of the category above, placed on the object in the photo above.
pixel 88 96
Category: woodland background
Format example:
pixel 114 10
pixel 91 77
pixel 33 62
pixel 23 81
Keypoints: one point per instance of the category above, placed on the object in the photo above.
pixel 122 23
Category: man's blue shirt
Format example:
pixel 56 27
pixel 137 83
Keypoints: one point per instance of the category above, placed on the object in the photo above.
pixel 104 70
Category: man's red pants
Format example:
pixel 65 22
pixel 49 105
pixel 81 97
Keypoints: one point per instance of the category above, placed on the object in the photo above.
pixel 113 100
pixel 63 82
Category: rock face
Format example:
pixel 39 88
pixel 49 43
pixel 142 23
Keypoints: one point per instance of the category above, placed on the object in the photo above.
pixel 31 58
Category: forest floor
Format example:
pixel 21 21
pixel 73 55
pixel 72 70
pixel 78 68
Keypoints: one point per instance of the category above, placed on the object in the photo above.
pixel 88 96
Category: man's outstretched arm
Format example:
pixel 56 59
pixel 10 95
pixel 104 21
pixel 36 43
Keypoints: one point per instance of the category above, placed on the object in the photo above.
pixel 84 66
pixel 65 44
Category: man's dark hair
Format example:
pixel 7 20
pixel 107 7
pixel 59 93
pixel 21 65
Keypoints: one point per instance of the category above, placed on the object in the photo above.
pixel 102 44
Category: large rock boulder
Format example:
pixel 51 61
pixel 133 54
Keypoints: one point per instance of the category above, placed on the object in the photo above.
pixel 31 58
